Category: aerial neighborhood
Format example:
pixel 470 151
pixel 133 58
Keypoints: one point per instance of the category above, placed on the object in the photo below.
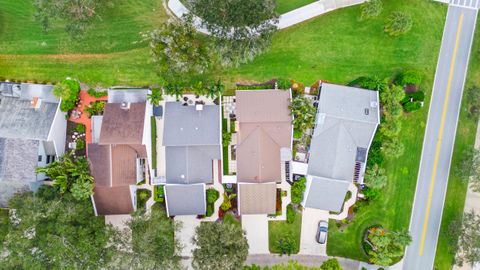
pixel 239 134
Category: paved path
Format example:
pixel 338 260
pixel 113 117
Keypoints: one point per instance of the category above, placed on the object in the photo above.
pixel 288 19
pixel 439 137
pixel 312 261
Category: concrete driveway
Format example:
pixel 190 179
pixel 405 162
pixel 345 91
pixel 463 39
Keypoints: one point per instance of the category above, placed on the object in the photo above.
pixel 308 244
pixel 186 233
pixel 256 227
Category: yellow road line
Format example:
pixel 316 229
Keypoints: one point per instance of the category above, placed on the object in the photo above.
pixel 440 135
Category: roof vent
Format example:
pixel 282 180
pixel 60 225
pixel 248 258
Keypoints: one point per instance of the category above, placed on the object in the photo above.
pixel 373 104
pixel 182 176
pixel 367 111
pixel 36 102
pixel 125 105
pixel 199 107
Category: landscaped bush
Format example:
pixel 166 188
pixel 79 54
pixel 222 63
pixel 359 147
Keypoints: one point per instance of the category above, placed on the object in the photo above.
pixel 159 193
pixel 297 134
pixel 226 138
pixel 371 9
pixel 412 106
pixel 410 77
pixel 142 197
pixel 254 87
pixel 95 108
pixel 98 94
pixel 80 144
pixel 209 210
pixel 283 83
pixel 398 23
pixel 297 190
pixel 286 244
pixel 298 88
pixel 314 88
pixel 290 214
pixel 80 128
pixel 212 195
pixel 68 91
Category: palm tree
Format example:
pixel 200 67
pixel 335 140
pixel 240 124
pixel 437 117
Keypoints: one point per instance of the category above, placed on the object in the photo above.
pixel 303 113
pixel 215 89
pixel 155 96
pixel 174 90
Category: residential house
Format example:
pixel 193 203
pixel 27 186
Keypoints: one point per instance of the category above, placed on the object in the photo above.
pixel 346 121
pixel 192 153
pixel 264 143
pixel 32 134
pixel 120 151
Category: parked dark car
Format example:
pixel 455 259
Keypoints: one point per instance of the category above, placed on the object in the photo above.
pixel 322 232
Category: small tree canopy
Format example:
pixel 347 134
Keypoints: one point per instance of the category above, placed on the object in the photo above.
pixel 466 238
pixel 398 23
pixel 331 264
pixel 375 177
pixel 219 246
pixel 371 9
pixel 387 245
pixel 303 113
pixel 469 168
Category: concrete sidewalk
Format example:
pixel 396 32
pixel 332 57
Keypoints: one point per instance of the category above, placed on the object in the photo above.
pixel 288 19
pixel 306 260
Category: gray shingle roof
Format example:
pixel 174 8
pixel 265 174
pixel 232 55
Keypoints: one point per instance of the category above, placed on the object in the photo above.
pixel 127 95
pixel 346 121
pixel 185 126
pixel 326 194
pixel 192 141
pixel 18 160
pixel 190 164
pixel 185 199
pixel 19 120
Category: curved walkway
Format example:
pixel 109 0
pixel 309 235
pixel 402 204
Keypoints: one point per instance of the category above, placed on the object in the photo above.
pixel 285 20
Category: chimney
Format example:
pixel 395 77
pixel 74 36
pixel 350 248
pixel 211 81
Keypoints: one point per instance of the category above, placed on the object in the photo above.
pixel 35 103
pixel 125 105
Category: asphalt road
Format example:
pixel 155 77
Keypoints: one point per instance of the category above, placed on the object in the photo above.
pixel 439 137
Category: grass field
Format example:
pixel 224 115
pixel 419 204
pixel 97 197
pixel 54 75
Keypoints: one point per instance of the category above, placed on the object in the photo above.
pixel 284 6
pixel 110 53
pixel 465 139
pixel 278 229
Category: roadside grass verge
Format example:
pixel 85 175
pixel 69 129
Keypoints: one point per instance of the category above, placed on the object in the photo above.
pixel 279 229
pixel 284 6
pixel 457 188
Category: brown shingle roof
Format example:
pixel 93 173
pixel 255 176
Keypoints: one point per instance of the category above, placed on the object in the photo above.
pixel 257 198
pixel 99 157
pixel 124 165
pixel 122 126
pixel 113 200
pixel 265 128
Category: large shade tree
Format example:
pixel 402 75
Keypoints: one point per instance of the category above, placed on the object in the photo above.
pixel 181 55
pixel 219 246
pixel 387 246
pixel 242 29
pixel 469 168
pixel 151 241
pixel 50 231
pixel 77 15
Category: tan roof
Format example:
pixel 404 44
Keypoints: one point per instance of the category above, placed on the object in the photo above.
pixel 265 128
pixel 263 106
pixel 113 200
pixel 257 198
pixel 113 168
pixel 122 126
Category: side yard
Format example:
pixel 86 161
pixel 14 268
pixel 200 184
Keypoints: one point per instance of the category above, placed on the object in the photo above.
pixel 281 231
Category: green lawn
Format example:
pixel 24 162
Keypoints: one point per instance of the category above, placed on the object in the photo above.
pixel 278 230
pixel 284 6
pixel 108 54
pixel 465 139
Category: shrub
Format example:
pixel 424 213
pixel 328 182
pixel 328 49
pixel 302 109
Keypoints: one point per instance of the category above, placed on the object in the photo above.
pixel 227 203
pixel 283 83
pixel 226 138
pixel 297 190
pixel 412 106
pixel 410 77
pixel 159 193
pixel 371 194
pixel 290 214
pixel 286 244
pixel 314 88
pixel 371 9
pixel 98 94
pixel 331 264
pixel 398 23
pixel 298 88
pixel 212 195
pixel 80 144
pixel 68 91
pixel 80 128
pixel 297 134
pixel 95 108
